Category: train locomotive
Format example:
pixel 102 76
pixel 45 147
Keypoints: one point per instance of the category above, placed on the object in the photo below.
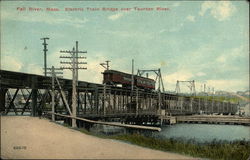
pixel 114 77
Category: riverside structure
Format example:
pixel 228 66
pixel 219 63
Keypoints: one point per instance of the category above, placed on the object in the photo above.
pixel 101 102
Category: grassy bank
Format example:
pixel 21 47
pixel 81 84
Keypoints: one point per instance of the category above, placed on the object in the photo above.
pixel 220 98
pixel 237 150
pixel 223 150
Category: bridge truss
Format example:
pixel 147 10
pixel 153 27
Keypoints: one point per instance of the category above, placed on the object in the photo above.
pixel 98 101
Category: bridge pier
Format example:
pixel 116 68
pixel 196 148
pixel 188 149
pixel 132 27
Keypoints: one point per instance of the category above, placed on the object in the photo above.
pixel 2 98
pixel 191 105
pixel 70 98
pixel 34 102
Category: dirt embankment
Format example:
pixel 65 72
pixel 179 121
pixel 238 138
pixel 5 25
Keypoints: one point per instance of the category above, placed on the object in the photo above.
pixel 34 138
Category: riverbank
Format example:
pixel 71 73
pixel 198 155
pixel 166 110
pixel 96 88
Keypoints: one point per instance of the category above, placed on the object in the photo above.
pixel 213 149
pixel 224 150
pixel 24 137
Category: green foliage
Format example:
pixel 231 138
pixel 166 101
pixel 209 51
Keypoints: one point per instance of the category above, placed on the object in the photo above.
pixel 224 150
pixel 220 98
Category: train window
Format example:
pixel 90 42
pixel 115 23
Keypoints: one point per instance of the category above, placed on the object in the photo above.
pixel 127 79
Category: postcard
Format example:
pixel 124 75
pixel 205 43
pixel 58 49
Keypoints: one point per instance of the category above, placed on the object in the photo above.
pixel 150 73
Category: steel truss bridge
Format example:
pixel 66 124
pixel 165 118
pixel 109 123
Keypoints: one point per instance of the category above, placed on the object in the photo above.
pixel 98 101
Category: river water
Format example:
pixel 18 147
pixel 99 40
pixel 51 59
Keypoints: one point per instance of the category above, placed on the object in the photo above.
pixel 198 132
pixel 205 132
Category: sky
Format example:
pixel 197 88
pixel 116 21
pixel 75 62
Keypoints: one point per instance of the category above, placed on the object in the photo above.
pixel 205 41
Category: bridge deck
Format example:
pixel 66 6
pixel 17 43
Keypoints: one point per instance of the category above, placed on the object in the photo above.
pixel 214 119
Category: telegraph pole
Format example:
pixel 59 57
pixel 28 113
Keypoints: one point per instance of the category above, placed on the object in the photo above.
pixel 53 93
pixel 53 71
pixel 74 94
pixel 76 62
pixel 132 82
pixel 105 65
pixel 177 88
pixel 45 54
pixel 74 68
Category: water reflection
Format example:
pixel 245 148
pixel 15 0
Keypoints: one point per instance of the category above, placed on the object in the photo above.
pixel 198 132
pixel 205 132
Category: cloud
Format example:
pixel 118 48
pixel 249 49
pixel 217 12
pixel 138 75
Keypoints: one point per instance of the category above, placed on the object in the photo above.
pixel 208 63
pixel 176 4
pixel 181 75
pixel 121 33
pixel 43 17
pixel 240 51
pixel 232 54
pixel 94 69
pixel 163 63
pixel 200 74
pixel 10 63
pixel 130 34
pixel 221 10
pixel 34 69
pixel 163 30
pixel 176 28
pixel 115 16
pixel 190 18
pixel 54 59
pixel 228 85
pixel 221 59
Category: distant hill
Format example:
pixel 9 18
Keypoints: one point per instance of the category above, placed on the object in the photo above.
pixel 244 93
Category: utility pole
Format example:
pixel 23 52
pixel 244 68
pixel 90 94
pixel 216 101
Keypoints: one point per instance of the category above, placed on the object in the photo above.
pixel 177 88
pixel 45 54
pixel 193 88
pixel 159 80
pixel 74 68
pixel 53 93
pixel 105 65
pixel 132 89
pixel 201 88
pixel 76 63
pixel 53 75
pixel 132 81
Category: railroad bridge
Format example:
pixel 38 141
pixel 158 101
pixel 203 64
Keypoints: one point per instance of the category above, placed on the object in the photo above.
pixel 98 101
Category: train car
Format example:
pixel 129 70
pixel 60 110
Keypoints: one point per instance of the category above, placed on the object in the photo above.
pixel 143 82
pixel 116 77
pixel 125 79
